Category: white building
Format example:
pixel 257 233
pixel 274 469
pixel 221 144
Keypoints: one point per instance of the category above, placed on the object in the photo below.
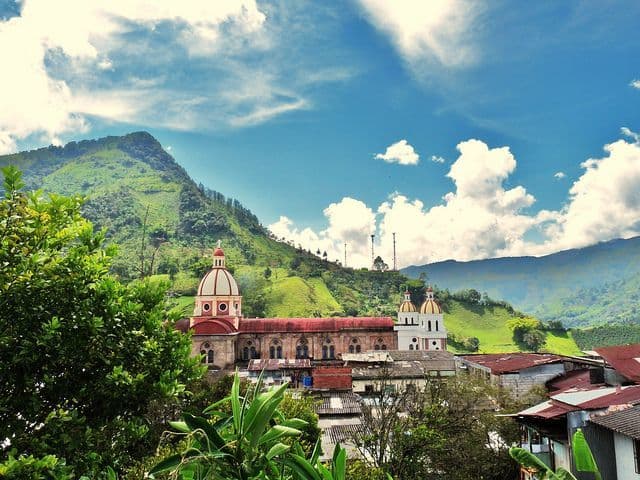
pixel 423 329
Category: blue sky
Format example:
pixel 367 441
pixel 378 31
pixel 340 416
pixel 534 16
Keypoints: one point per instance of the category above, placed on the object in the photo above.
pixel 292 107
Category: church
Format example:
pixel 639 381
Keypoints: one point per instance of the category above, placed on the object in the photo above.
pixel 223 337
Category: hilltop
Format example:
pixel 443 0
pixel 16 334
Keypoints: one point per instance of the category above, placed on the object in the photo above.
pixel 165 225
pixel 588 286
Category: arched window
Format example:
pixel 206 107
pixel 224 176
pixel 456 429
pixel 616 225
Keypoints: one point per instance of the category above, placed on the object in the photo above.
pixel 437 325
pixel 302 349
pixel 279 351
pixel 383 347
pixel 358 349
pixel 272 352
pixel 325 352
pixel 332 352
pixel 206 350
pixel 410 347
pixel 429 325
pixel 376 347
pixel 351 349
pixel 254 352
pixel 245 353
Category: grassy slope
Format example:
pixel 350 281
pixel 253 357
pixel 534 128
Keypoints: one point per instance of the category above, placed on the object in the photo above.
pixel 489 325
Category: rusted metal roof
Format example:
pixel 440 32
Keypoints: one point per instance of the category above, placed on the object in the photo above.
pixel 309 325
pixel 271 364
pixel 625 359
pixel 500 363
pixel 572 379
pixel 625 420
pixel 342 403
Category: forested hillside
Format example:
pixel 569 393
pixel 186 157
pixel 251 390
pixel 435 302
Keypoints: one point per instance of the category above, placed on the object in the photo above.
pixel 165 225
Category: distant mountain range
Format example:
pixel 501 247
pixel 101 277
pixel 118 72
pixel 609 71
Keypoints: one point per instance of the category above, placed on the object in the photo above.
pixel 588 286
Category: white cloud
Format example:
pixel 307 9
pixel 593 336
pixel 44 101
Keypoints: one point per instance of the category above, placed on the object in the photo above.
pixel 635 83
pixel 69 68
pixel 559 175
pixel 481 218
pixel 434 30
pixel 400 152
pixel 350 221
pixel 628 133
pixel 604 203
pixel 437 159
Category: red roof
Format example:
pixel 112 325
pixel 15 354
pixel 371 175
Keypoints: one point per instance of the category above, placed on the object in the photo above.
pixel 218 252
pixel 217 326
pixel 310 325
pixel 626 395
pixel 500 363
pixel 572 379
pixel 625 359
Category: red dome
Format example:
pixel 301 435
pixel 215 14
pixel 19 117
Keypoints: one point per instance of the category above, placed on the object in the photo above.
pixel 218 252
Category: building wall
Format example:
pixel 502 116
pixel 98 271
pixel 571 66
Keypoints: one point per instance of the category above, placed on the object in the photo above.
pixel 625 463
pixel 334 378
pixel 520 383
pixel 223 347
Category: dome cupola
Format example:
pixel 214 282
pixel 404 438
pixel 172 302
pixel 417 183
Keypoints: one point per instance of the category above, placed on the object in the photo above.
pixel 407 305
pixel 430 305
pixel 218 294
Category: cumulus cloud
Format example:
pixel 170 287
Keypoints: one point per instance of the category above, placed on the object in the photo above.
pixel 433 31
pixel 635 83
pixel 349 221
pixel 437 159
pixel 559 175
pixel 400 152
pixel 481 218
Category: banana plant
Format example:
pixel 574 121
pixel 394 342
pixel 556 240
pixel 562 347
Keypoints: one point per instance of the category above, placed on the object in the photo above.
pixel 247 443
pixel 582 455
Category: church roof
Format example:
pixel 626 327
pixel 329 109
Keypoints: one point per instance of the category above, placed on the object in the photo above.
pixel 311 325
pixel 214 326
pixel 407 306
pixel 430 306
pixel 218 281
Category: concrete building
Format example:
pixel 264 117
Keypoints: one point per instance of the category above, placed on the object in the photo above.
pixel 423 329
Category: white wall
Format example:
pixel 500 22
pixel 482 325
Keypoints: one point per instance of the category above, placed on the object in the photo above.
pixel 625 463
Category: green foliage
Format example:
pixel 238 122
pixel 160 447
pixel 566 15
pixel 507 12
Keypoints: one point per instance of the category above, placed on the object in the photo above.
pixel 423 432
pixel 582 456
pixel 29 467
pixel 247 443
pixel 606 335
pixel 302 407
pixel 83 356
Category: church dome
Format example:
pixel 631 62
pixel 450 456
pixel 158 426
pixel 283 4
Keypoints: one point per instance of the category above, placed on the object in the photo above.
pixel 408 307
pixel 218 281
pixel 430 306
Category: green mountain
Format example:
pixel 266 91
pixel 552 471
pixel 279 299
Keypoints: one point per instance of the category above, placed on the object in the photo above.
pixel 165 225
pixel 589 286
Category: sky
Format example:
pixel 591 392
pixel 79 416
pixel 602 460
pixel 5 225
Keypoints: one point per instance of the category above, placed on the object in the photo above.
pixel 470 129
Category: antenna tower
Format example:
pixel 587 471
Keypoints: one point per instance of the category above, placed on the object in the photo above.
pixel 345 254
pixel 373 235
pixel 394 251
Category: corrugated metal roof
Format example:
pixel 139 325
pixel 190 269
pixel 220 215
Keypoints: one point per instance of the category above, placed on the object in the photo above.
pixel 572 379
pixel 500 363
pixel 625 421
pixel 624 358
pixel 271 364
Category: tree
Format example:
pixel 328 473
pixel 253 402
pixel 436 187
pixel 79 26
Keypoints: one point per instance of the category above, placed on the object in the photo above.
pixel 534 339
pixel 441 429
pixel 247 443
pixel 267 273
pixel 379 265
pixel 82 355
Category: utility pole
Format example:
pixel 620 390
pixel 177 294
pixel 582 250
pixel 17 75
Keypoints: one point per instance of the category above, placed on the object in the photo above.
pixel 373 258
pixel 394 252
pixel 345 254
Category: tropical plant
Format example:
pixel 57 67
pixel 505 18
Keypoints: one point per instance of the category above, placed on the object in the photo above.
pixel 582 455
pixel 247 443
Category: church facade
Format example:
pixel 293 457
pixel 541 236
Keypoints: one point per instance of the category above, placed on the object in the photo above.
pixel 223 337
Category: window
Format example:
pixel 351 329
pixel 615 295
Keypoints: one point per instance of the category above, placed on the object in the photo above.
pixel 636 454
pixel 383 347
pixel 332 352
pixel 410 347
pixel 325 352
pixel 206 307
pixel 245 353
pixel 302 351
pixel 272 352
pixel 437 325
pixel 351 349
pixel 358 349
pixel 254 352
pixel 429 325
pixel 223 307
pixel 207 353
pixel 210 357
pixel 376 347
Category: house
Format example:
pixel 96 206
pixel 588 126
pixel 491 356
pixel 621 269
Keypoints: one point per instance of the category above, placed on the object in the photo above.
pixel 548 427
pixel 519 372
pixel 621 365
pixel 618 430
